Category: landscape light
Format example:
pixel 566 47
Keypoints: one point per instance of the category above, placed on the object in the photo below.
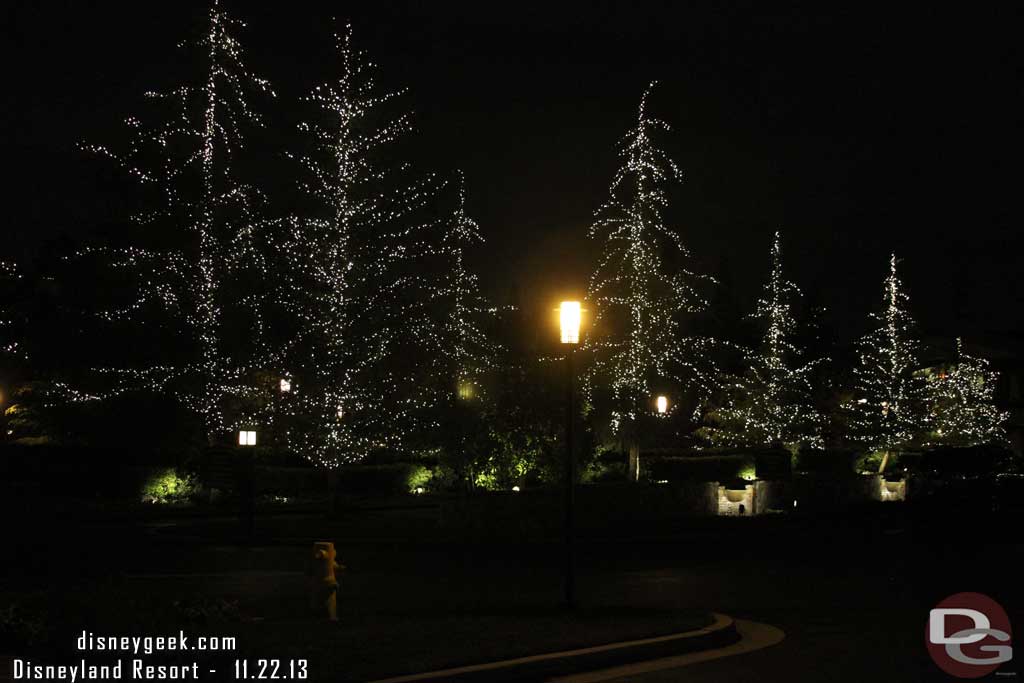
pixel 662 402
pixel 569 318
pixel 286 385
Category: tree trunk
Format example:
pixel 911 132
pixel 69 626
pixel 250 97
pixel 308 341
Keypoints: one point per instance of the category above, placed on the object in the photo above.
pixel 633 463
pixel 885 461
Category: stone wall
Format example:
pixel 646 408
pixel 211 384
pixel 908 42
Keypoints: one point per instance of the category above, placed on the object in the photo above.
pixel 891 490
pixel 621 508
pixel 776 495
pixel 736 502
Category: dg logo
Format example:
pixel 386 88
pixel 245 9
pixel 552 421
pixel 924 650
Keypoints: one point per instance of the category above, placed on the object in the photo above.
pixel 968 635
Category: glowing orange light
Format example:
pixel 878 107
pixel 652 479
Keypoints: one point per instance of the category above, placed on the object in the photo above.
pixel 569 318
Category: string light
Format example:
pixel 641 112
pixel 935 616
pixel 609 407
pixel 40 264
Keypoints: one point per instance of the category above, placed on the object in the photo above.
pixel 469 351
pixel 384 309
pixel 384 317
pixel 888 410
pixel 961 403
pixel 186 160
pixel 771 403
pixel 10 324
pixel 638 291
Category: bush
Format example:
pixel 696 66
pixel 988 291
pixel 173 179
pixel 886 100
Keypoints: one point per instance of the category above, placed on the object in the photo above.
pixel 608 465
pixel 167 485
pixel 419 478
pixel 502 470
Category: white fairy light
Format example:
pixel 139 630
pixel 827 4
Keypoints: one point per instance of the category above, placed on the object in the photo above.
pixel 637 291
pixel 186 160
pixel 769 404
pixel 888 411
pixel 961 403
pixel 382 303
pixel 11 324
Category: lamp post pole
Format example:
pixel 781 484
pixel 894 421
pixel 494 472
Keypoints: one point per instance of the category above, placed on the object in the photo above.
pixel 247 482
pixel 570 328
pixel 570 480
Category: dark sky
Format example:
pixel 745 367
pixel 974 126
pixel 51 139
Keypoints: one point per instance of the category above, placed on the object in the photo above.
pixel 856 132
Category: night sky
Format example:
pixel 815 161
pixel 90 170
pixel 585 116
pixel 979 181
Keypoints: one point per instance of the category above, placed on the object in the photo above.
pixel 855 132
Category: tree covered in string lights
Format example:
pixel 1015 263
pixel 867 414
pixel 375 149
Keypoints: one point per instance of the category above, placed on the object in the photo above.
pixel 888 410
pixel 468 351
pixel 11 320
pixel 642 287
pixel 961 403
pixel 381 303
pixel 200 279
pixel 771 403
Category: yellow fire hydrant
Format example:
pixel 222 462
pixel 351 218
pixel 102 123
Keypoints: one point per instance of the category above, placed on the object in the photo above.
pixel 323 588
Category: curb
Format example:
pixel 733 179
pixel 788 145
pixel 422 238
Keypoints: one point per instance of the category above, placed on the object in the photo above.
pixel 720 633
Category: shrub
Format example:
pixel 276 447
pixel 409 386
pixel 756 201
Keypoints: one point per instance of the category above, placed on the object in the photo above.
pixel 419 477
pixel 168 486
pixel 502 470
pixel 607 465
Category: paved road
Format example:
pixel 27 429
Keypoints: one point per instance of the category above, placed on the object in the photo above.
pixel 851 594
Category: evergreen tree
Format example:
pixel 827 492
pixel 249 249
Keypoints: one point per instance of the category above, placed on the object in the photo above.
pixel 199 278
pixel 377 288
pixel 771 403
pixel 960 399
pixel 11 322
pixel 888 408
pixel 642 287
pixel 466 351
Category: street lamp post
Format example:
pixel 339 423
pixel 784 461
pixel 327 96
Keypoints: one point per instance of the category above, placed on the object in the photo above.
pixel 246 482
pixel 569 317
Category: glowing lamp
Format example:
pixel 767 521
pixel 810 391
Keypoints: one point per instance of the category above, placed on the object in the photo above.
pixel 246 438
pixel 466 390
pixel 286 385
pixel 662 403
pixel 569 318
